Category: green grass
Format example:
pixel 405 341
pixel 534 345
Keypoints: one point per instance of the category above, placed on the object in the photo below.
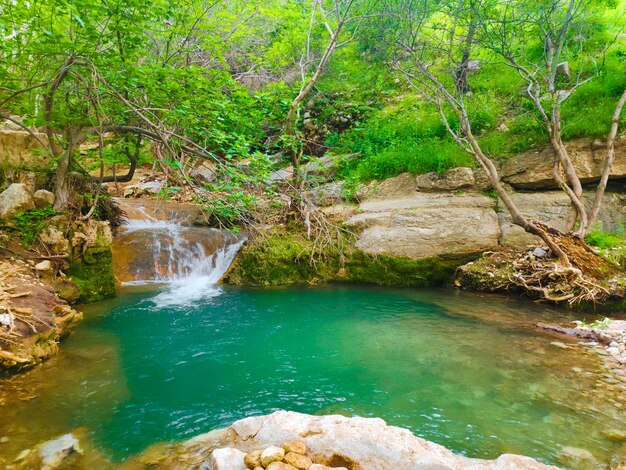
pixel 604 240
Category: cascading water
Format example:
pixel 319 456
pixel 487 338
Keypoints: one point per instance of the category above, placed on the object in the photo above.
pixel 156 246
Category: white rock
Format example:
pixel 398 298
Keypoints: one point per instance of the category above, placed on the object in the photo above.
pixel 6 319
pixel 368 442
pixel 45 265
pixel 272 454
pixel 613 351
pixel 43 198
pixel 16 198
pixel 225 459
pixel 53 452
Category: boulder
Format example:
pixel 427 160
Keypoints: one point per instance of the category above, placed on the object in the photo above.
pixel 253 459
pixel 280 466
pixel 427 225
pixel 272 454
pixel 225 459
pixel 16 198
pixel 55 240
pixel 452 180
pixel 20 149
pixel 205 171
pixel 43 198
pixel 355 442
pixel 297 447
pixel 533 169
pixel 281 176
pixel 45 265
pixel 574 457
pixel 52 453
pixel 301 462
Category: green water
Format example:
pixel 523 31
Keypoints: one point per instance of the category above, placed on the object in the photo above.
pixel 466 371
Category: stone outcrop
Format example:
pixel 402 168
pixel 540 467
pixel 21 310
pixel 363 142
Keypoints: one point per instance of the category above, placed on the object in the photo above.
pixel 452 180
pixel 32 317
pixel 335 441
pixel 16 198
pixel 20 149
pixel 533 170
pixel 397 217
pixel 427 225
pixel 552 207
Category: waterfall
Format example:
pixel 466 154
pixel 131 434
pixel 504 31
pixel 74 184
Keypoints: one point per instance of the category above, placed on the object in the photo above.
pixel 156 245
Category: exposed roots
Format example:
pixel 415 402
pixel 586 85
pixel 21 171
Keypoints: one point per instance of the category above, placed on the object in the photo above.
pixel 557 283
pixel 539 274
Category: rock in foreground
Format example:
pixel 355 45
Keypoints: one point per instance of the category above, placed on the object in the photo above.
pixel 336 441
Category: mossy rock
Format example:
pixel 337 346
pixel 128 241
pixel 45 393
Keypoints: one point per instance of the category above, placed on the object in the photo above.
pixel 93 274
pixel 287 259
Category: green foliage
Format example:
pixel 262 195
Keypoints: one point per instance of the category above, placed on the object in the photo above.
pixel 29 224
pixel 604 240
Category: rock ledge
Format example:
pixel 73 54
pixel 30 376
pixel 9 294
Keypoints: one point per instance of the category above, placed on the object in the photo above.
pixel 354 443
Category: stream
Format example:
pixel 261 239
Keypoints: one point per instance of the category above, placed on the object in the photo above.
pixel 175 355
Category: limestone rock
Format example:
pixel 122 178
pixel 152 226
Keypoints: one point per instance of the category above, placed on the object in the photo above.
pixel 21 149
pixel 43 198
pixel 225 459
pixel 301 462
pixel 366 443
pixel 280 466
pixel 403 185
pixel 16 198
pixel 43 266
pixel 318 466
pixel 297 447
pixel 253 459
pixel 533 170
pixel 281 176
pixel 574 457
pixel 615 435
pixel 452 180
pixel 205 171
pixel 272 454
pixel 54 240
pixel 552 207
pixel 427 225
pixel 53 452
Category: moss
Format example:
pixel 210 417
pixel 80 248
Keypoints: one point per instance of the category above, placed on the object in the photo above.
pixel 93 274
pixel 283 259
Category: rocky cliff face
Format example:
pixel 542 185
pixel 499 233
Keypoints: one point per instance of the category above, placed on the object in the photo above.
pixel 395 218
pixel 533 170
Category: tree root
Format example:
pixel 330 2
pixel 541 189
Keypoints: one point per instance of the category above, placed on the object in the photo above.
pixel 557 283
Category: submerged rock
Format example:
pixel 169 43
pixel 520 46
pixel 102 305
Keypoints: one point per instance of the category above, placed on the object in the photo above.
pixel 575 457
pixel 53 452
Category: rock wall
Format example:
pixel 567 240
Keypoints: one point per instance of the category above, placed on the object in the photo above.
pixel 396 218
pixel 533 169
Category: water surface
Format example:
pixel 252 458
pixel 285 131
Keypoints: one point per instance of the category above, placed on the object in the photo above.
pixel 463 370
